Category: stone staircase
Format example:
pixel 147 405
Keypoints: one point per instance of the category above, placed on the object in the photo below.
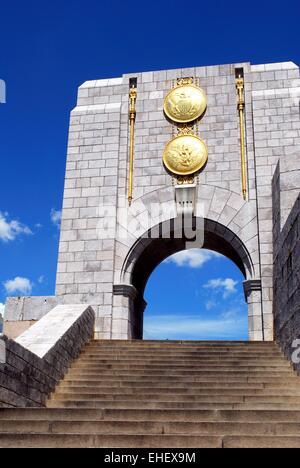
pixel 150 394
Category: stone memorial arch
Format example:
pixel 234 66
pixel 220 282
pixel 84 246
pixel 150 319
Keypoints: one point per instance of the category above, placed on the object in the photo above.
pixel 125 189
pixel 147 253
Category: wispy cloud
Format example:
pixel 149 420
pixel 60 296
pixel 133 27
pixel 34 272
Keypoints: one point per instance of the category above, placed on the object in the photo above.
pixel 209 305
pixel 232 313
pixel 2 307
pixel 193 258
pixel 11 229
pixel 227 286
pixel 193 328
pixel 18 285
pixel 41 279
pixel 55 216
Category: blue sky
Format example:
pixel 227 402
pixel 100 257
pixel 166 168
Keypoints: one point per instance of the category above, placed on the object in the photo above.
pixel 48 49
pixel 196 294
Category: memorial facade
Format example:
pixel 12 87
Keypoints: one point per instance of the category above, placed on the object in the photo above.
pixel 159 162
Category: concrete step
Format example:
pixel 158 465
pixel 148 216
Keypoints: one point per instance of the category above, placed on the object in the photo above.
pixel 201 428
pixel 155 386
pixel 169 405
pixel 180 397
pixel 106 441
pixel 166 351
pixel 184 356
pixel 162 383
pixel 241 415
pixel 183 352
pixel 133 366
pixel 150 397
pixel 157 379
pixel 266 442
pixel 165 343
pixel 93 351
pixel 74 391
pixel 166 373
pixel 144 441
pixel 118 364
pixel 182 361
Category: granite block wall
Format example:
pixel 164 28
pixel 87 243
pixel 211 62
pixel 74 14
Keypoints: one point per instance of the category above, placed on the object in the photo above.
pixel 286 206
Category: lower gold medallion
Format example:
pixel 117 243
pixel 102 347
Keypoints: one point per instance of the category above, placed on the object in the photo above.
pixel 185 155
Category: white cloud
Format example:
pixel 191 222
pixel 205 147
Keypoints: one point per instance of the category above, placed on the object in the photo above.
pixel 41 279
pixel 210 305
pixel 194 258
pixel 227 285
pixel 18 285
pixel 11 229
pixel 2 307
pixel 55 216
pixel 183 327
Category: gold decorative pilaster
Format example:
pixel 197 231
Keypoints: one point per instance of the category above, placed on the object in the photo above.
pixel 240 86
pixel 132 118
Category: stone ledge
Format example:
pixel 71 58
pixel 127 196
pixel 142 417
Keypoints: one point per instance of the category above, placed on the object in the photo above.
pixel 250 286
pixel 126 290
pixel 102 83
pixel 274 66
pixel 98 108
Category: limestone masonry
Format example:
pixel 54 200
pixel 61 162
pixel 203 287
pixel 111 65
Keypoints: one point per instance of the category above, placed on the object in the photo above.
pixel 100 266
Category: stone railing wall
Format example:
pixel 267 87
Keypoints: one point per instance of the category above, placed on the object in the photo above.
pixel 31 366
pixel 23 312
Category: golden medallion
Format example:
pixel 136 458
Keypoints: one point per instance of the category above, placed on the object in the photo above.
pixel 185 155
pixel 185 103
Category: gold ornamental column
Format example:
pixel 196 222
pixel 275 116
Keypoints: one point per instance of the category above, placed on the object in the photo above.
pixel 240 86
pixel 132 117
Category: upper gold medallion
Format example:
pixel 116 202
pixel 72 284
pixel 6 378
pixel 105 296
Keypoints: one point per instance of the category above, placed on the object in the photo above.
pixel 185 155
pixel 185 103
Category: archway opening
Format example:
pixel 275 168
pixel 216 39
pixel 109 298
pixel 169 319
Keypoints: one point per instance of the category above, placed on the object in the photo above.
pixel 196 294
pixel 148 253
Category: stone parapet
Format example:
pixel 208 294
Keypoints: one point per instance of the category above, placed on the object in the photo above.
pixel 41 356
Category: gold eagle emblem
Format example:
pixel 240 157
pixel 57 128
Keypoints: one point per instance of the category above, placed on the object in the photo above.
pixel 185 103
pixel 185 155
